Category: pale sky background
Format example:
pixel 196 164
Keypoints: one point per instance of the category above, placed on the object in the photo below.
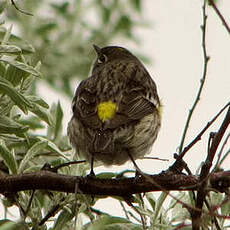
pixel 173 44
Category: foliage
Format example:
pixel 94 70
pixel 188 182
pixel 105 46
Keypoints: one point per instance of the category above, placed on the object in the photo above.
pixel 63 31
pixel 55 38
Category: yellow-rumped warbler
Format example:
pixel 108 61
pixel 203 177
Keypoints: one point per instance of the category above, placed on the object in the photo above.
pixel 116 111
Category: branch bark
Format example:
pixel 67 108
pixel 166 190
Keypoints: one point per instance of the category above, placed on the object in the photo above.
pixel 46 180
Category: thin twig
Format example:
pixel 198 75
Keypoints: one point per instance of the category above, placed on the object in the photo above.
pixel 155 158
pixel 196 214
pixel 212 216
pixel 224 157
pixel 29 204
pixel 22 11
pixel 67 164
pixel 202 81
pixel 213 4
pixel 138 212
pixel 198 137
pixel 53 211
pixel 124 210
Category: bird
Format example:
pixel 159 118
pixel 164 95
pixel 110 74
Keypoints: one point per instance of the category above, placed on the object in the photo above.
pixel 116 110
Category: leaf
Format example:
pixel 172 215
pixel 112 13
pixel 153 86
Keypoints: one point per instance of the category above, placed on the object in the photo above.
pixel 58 123
pixel 27 82
pixel 105 222
pixel 159 205
pixel 15 40
pixel 53 147
pixel 10 49
pixel 152 200
pixel 2 5
pixel 136 5
pixel 124 23
pixel 2 69
pixel 106 13
pixel 33 123
pixel 19 99
pixel 225 208
pixel 38 101
pixel 22 66
pixel 41 113
pixel 9 225
pixel 9 126
pixel 6 35
pixel 63 218
pixel 44 29
pixel 31 153
pixel 8 157
pixel 106 175
pixel 15 75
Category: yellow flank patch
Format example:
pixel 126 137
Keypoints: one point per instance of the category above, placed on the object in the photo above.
pixel 106 110
pixel 160 109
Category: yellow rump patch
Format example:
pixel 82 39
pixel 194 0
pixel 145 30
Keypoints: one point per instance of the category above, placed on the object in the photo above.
pixel 106 110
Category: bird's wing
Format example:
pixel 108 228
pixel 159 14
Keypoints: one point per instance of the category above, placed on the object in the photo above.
pixel 139 98
pixel 85 104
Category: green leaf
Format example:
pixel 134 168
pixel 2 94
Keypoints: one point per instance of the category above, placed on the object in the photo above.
pixel 44 29
pixel 37 100
pixel 19 99
pixel 63 218
pixel 106 175
pixel 9 126
pixel 6 35
pixel 15 40
pixel 8 157
pixel 159 205
pixel 41 113
pixel 225 208
pixel 152 200
pixel 105 222
pixel 33 123
pixel 52 147
pixel 10 49
pixel 136 5
pixel 61 8
pixel 2 69
pixel 9 225
pixel 22 66
pixel 31 153
pixel 106 12
pixel 58 123
pixel 2 5
pixel 124 23
pixel 15 75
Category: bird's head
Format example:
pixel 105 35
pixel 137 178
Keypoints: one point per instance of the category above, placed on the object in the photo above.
pixel 108 54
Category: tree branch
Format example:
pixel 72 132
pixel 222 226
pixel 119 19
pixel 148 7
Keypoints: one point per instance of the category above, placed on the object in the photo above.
pixel 46 180
pixel 212 3
pixel 205 170
pixel 21 11
pixel 202 81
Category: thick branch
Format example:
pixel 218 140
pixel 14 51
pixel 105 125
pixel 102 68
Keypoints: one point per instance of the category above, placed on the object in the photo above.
pixel 46 180
pixel 203 187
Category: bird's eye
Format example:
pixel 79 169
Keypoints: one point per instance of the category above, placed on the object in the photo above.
pixel 103 58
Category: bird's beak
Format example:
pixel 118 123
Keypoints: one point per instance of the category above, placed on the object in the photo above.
pixel 97 49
